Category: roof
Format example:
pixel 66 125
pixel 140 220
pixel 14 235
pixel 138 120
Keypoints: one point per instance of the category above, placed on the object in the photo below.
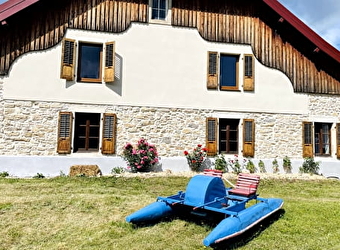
pixel 319 42
pixel 11 7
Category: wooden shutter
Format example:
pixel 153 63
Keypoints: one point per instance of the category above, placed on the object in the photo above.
pixel 109 131
pixel 109 71
pixel 68 59
pixel 248 83
pixel 64 132
pixel 212 77
pixel 248 138
pixel 338 140
pixel 211 136
pixel 307 139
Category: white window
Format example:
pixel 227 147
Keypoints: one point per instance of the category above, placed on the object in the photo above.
pixel 160 11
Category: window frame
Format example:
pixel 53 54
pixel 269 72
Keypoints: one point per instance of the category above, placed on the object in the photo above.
pixel 319 134
pixel 245 144
pixel 66 133
pixel 70 66
pixel 167 19
pixel 221 71
pixel 79 65
pixel 216 70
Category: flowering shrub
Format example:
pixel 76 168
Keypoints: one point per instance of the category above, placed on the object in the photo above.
pixel 196 158
pixel 140 158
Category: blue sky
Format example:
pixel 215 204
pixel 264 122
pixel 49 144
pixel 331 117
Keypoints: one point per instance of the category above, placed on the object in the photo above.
pixel 320 16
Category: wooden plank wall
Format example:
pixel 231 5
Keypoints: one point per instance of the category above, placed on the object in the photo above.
pixel 44 25
pixel 234 23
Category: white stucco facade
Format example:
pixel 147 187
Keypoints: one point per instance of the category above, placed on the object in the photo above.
pixel 158 66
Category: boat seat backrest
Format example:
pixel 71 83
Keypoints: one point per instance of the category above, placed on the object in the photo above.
pixel 246 185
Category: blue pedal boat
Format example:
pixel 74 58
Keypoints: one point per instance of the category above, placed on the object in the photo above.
pixel 206 196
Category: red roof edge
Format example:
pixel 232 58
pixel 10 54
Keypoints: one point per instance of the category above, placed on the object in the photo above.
pixel 318 41
pixel 11 7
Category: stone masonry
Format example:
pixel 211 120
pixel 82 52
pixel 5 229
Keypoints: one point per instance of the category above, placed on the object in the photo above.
pixel 30 127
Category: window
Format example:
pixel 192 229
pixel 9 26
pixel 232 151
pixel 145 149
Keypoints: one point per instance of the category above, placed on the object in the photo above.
pixel 317 142
pixel 86 136
pixel 89 63
pixel 223 136
pixel 322 138
pixel 228 72
pixel 160 11
pixel 89 67
pixel 86 132
pixel 223 71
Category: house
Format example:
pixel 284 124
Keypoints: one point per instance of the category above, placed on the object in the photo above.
pixel 81 78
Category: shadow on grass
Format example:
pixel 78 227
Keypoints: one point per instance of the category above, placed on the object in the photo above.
pixel 231 244
pixel 243 239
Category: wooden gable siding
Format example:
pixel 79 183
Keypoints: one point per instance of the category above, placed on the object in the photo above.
pixel 44 24
pixel 250 22
pixel 274 43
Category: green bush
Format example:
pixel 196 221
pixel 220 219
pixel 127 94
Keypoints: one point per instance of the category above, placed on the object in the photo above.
pixel 262 167
pixel 196 158
pixel 250 166
pixel 309 166
pixel 221 163
pixel 275 166
pixel 4 174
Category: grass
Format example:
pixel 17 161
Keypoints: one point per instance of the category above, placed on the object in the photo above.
pixel 89 213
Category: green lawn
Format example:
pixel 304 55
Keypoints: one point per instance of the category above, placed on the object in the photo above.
pixel 89 213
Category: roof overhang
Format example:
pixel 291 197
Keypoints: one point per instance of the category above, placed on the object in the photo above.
pixel 11 7
pixel 319 42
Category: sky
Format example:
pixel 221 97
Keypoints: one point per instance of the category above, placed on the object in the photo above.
pixel 322 16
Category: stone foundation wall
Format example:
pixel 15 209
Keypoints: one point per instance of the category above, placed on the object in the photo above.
pixel 30 128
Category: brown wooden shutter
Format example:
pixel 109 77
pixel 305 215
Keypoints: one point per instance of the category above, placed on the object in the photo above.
pixel 338 140
pixel 64 132
pixel 212 77
pixel 307 139
pixel 248 83
pixel 68 59
pixel 248 138
pixel 109 71
pixel 109 131
pixel 211 136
